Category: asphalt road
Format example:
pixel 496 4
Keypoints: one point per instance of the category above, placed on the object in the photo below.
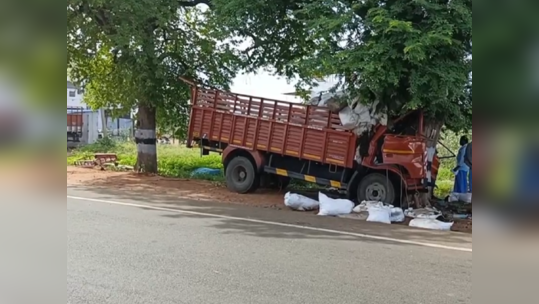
pixel 131 254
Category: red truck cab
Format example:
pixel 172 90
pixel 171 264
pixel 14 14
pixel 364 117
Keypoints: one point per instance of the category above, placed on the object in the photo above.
pixel 262 139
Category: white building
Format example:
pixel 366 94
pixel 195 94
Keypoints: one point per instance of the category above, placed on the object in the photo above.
pixel 93 119
pixel 75 96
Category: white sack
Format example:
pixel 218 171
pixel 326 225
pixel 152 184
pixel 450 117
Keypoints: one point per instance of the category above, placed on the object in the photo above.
pixel 460 197
pixel 299 202
pixel 397 215
pixel 365 205
pixel 349 119
pixel 424 213
pixel 430 224
pixel 379 215
pixel 454 197
pixel 334 207
pixel 465 197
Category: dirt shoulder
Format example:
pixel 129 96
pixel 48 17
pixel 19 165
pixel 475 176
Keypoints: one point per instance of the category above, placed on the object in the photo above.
pixel 185 188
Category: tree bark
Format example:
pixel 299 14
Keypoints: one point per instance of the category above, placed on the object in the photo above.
pixel 432 132
pixel 145 138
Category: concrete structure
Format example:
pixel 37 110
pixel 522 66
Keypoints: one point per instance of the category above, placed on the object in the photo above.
pixel 75 96
pixel 93 119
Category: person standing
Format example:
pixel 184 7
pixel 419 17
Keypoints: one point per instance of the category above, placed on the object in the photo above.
pixel 468 161
pixel 461 170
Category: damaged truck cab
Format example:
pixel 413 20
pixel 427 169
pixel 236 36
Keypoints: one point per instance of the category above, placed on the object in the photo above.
pixel 268 142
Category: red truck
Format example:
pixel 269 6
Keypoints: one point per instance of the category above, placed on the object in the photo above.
pixel 74 123
pixel 260 138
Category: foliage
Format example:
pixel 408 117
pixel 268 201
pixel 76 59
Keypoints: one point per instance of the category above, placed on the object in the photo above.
pixel 131 52
pixel 407 54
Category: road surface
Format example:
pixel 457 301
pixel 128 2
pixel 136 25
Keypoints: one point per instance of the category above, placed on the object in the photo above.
pixel 137 250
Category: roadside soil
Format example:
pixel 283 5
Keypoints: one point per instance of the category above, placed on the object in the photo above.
pixel 185 188
pixel 188 189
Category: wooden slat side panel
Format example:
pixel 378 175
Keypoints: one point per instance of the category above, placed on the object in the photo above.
pixel 337 148
pixel 237 138
pixel 226 130
pixel 277 138
pixel 207 123
pixel 263 135
pixel 293 129
pixel 251 132
pixel 293 143
pixel 313 149
pixel 216 126
pixel 196 121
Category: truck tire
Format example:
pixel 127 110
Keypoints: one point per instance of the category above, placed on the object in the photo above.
pixel 241 176
pixel 376 187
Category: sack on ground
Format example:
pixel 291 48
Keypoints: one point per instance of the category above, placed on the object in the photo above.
pixel 379 215
pixel 299 202
pixel 334 207
pixel 365 205
pixel 460 197
pixel 465 198
pixel 430 224
pixel 397 215
pixel 424 213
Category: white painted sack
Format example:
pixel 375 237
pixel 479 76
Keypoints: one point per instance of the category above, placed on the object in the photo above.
pixel 334 207
pixel 365 205
pixel 465 197
pixel 379 215
pixel 349 119
pixel 299 202
pixel 430 224
pixel 397 215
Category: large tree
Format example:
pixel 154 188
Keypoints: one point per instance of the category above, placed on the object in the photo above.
pixel 128 54
pixel 406 54
pixel 401 54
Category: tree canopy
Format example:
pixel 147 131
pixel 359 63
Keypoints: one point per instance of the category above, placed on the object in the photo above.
pixel 407 54
pixel 128 52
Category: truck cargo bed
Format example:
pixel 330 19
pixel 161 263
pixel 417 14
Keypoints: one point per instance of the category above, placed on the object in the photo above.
pixel 285 128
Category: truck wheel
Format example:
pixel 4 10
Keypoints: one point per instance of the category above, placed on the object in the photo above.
pixel 241 176
pixel 376 187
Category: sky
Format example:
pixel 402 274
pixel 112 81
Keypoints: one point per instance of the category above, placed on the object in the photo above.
pixel 263 84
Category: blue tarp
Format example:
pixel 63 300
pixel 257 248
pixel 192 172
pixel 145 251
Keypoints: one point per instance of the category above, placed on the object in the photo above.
pixel 206 172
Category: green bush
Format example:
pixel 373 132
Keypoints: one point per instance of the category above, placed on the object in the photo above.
pixel 443 188
pixel 445 174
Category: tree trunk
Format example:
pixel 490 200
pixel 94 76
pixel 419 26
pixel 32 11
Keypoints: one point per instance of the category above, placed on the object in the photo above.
pixel 145 138
pixel 432 132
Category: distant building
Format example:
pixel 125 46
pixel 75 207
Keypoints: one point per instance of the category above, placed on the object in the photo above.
pixel 75 96
pixel 93 119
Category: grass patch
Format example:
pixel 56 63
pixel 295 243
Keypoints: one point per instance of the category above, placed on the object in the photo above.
pixel 172 161
pixel 443 188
